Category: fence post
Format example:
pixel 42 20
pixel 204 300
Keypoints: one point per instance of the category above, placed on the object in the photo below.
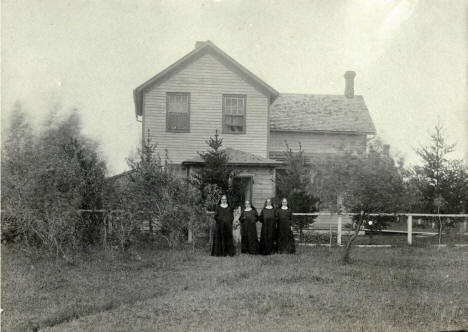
pixel 190 235
pixel 104 238
pixel 463 227
pixel 410 229
pixel 340 223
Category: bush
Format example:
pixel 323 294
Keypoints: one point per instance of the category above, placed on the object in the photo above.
pixel 47 179
pixel 152 196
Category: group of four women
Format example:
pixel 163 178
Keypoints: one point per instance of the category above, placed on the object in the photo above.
pixel 275 236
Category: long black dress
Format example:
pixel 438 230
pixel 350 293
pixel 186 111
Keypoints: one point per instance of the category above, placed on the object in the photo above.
pixel 248 221
pixel 243 229
pixel 285 237
pixel 268 218
pixel 223 243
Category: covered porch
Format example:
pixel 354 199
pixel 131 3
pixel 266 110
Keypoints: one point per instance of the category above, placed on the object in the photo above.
pixel 254 175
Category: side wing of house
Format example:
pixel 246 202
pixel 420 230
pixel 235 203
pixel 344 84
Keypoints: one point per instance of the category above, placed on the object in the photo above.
pixel 316 143
pixel 319 124
pixel 205 94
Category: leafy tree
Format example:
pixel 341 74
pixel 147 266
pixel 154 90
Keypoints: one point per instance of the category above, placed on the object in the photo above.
pixel 294 183
pixel 148 179
pixel 456 178
pixel 413 197
pixel 16 166
pixel 71 176
pixel 152 193
pixel 443 182
pixel 368 183
pixel 17 160
pixel 143 194
pixel 375 187
pixel 51 177
pixel 433 172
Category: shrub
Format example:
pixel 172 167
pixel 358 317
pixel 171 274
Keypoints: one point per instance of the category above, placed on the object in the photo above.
pixel 47 179
pixel 152 194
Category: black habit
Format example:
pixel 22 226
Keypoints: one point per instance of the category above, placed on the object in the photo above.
pixel 285 237
pixel 248 221
pixel 268 218
pixel 223 242
pixel 244 241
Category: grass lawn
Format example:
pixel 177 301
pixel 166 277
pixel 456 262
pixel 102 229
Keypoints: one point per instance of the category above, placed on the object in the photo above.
pixel 385 289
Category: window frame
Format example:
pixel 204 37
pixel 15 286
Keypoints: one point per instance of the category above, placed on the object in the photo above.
pixel 244 125
pixel 168 129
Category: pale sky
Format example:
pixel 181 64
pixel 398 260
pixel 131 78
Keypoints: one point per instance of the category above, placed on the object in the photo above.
pixel 410 57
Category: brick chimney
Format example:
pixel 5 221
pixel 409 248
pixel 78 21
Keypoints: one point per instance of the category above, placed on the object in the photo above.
pixel 349 84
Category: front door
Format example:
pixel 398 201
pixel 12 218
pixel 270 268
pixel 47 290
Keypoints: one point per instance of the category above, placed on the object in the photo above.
pixel 242 187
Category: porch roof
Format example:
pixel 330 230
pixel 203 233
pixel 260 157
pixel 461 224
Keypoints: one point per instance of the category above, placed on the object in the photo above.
pixel 237 158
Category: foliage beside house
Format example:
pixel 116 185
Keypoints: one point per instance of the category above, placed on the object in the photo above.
pixel 47 179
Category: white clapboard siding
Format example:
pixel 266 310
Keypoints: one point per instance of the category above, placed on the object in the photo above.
pixel 206 79
pixel 317 142
pixel 263 186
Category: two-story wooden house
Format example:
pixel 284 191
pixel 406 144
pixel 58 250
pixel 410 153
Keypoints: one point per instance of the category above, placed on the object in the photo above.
pixel 207 90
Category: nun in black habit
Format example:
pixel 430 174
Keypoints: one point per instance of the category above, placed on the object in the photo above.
pixel 269 221
pixel 285 236
pixel 248 221
pixel 223 243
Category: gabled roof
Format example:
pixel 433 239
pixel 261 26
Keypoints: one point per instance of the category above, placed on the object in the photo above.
pixel 238 157
pixel 326 113
pixel 201 49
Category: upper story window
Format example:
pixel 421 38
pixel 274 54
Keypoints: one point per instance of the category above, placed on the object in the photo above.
pixel 178 111
pixel 234 114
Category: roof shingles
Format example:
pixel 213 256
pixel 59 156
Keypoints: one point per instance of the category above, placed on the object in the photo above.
pixel 304 112
pixel 238 157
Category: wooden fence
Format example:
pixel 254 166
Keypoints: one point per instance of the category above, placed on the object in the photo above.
pixel 107 215
pixel 408 216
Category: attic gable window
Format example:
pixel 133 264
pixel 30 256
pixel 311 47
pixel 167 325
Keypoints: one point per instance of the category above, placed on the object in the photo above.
pixel 234 114
pixel 178 111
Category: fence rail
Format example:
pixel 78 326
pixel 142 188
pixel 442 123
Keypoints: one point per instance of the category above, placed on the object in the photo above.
pixel 339 224
pixel 409 220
